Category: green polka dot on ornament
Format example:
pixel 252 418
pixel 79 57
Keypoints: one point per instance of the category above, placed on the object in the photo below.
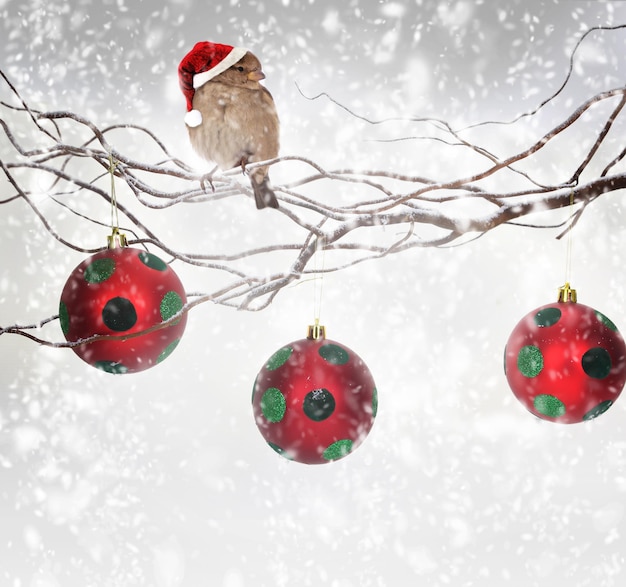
pixel 273 404
pixel 168 350
pixel 279 358
pixel 152 261
pixel 119 314
pixel 281 451
pixel 318 404
pixel 549 405
pixel 100 270
pixel 598 410
pixel 171 304
pixel 547 317
pixel 111 367
pixel 64 318
pixel 530 361
pixel 596 362
pixel 338 450
pixel 334 354
pixel 606 321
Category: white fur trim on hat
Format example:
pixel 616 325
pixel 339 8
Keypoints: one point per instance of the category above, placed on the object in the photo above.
pixel 193 118
pixel 235 55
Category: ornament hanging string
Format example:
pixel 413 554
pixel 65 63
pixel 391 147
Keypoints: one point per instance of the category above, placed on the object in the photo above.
pixel 318 281
pixel 115 221
pixel 117 239
pixel 568 257
pixel 566 293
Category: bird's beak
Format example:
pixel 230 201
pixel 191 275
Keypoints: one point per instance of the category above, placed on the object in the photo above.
pixel 256 75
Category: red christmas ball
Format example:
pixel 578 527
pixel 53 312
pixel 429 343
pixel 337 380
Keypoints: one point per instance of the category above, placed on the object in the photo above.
pixel 566 362
pixel 122 291
pixel 314 401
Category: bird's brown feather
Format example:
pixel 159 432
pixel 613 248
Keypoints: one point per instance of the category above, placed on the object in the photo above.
pixel 239 122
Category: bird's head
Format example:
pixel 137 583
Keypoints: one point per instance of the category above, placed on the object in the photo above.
pixel 246 72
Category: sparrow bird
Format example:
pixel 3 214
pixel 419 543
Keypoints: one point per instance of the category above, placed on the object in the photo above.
pixel 231 117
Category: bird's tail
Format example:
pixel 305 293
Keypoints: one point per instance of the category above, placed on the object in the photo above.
pixel 264 195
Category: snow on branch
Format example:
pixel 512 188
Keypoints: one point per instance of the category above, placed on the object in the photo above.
pixel 350 215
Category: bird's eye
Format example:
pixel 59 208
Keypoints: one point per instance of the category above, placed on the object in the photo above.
pixel 240 68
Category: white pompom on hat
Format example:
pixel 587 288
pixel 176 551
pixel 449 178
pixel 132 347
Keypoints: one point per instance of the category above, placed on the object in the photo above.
pixel 202 63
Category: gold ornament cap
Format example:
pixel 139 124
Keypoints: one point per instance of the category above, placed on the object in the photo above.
pixel 116 240
pixel 316 331
pixel 567 294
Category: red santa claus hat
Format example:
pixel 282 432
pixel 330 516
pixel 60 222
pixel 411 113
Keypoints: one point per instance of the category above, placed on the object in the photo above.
pixel 202 63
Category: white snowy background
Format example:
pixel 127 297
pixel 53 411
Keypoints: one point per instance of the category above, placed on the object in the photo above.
pixel 162 479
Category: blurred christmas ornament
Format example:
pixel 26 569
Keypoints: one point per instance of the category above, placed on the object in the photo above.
pixel 566 362
pixel 122 291
pixel 315 400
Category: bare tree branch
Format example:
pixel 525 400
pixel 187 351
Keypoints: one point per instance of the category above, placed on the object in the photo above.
pixel 73 160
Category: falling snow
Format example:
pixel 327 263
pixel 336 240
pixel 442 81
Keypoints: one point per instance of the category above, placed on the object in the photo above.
pixel 161 479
